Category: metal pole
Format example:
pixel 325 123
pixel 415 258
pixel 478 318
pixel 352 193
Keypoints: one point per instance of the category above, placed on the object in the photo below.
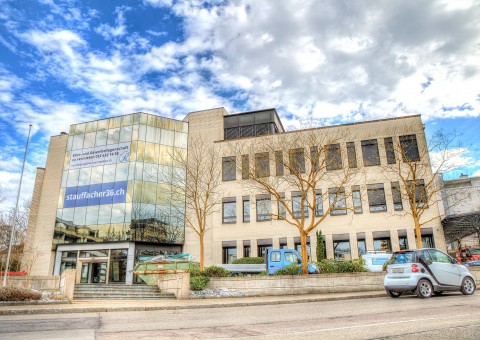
pixel 12 233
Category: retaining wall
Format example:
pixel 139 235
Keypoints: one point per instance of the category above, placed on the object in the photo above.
pixel 49 283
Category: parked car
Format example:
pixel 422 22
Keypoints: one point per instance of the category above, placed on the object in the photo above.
pixel 472 264
pixel 426 272
pixel 467 254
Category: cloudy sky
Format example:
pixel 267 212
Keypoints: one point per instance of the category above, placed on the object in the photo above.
pixel 331 62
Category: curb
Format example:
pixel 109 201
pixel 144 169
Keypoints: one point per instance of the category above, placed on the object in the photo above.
pixel 154 308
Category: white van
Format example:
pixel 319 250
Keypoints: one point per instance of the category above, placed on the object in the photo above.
pixel 375 260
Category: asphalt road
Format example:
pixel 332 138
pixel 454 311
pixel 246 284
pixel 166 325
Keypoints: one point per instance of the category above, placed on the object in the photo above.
pixel 452 316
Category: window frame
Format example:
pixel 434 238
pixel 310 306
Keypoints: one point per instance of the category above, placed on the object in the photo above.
pixel 373 193
pixel 296 160
pixel 407 146
pixel 396 196
pixel 229 219
pixel 262 165
pixel 318 203
pixel 370 146
pixel 336 209
pixel 333 155
pixel 227 162
pixel 351 155
pixel 357 208
pixel 245 204
pixel 389 150
pixel 268 205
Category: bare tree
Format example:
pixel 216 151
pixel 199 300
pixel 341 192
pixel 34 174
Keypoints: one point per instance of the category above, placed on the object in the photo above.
pixel 313 161
pixel 195 181
pixel 30 255
pixel 418 178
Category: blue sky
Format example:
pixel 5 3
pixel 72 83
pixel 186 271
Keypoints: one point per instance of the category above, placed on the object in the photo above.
pixel 64 62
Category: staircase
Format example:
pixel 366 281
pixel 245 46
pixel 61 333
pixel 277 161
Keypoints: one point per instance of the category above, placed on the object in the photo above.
pixel 118 292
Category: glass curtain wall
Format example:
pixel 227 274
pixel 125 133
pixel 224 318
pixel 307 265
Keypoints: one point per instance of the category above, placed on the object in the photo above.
pixel 122 181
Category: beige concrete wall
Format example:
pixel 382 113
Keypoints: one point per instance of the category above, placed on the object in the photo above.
pixel 49 283
pixel 42 230
pixel 389 222
pixel 299 284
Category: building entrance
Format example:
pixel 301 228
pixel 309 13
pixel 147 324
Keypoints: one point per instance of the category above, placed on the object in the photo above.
pixel 94 272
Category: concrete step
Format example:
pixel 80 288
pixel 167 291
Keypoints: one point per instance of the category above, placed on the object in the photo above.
pixel 118 292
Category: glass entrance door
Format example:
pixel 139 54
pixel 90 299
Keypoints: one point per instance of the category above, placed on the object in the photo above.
pixel 94 272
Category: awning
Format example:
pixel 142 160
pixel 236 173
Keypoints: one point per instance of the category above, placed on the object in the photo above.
pixel 459 226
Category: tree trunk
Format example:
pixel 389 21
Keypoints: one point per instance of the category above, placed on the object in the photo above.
pixel 303 240
pixel 418 233
pixel 202 254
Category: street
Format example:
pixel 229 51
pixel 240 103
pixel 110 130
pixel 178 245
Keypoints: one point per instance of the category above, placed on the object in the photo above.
pixel 451 316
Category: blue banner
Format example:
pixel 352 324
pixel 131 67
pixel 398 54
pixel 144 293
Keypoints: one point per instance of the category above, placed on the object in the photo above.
pixel 95 194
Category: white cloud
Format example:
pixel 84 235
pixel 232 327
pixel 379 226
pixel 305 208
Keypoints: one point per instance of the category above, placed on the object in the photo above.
pixel 109 32
pixel 453 159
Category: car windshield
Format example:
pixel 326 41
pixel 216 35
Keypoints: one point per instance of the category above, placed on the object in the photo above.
pixel 402 257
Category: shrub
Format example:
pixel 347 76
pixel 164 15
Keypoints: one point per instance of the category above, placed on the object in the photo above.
pixel 196 272
pixel 333 266
pixel 199 282
pixel 291 269
pixel 215 271
pixel 250 260
pixel 18 294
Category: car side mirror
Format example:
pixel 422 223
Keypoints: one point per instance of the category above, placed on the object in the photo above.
pixel 299 261
pixel 454 261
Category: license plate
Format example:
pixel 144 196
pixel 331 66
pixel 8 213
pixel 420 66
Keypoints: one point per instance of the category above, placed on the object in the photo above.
pixel 397 270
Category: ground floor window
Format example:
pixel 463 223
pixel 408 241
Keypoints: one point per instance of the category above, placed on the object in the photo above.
pixel 69 260
pixel 382 244
pixel 298 245
pixel 362 248
pixel 246 249
pixel 263 245
pixel 403 240
pixel 229 254
pixel 118 265
pixel 341 247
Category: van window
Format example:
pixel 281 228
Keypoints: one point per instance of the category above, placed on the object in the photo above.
pixel 275 256
pixel 289 257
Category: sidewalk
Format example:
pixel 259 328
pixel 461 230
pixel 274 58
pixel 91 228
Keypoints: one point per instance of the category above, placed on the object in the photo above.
pixel 96 306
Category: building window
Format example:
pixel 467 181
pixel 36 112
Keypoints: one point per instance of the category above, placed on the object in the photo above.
pixel 397 196
pixel 341 250
pixel 376 197
pixel 229 252
pixel 361 246
pixel 402 239
pixel 389 150
pixel 297 161
pixel 229 210
pixel 314 158
pixel 334 157
pixel 418 186
pixel 246 208
pixel 275 256
pixel 282 212
pixel 357 199
pixel 382 244
pixel 262 165
pixel 279 163
pixel 352 155
pixel 370 152
pixel 262 246
pixel 228 168
pixel 283 242
pixel 318 203
pixel 264 208
pixel 409 148
pixel 245 167
pixel 246 249
pixel 297 204
pixel 337 201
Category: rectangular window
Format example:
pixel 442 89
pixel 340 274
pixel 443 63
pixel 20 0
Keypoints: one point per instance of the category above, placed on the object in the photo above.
pixel 264 208
pixel 263 245
pixel 229 254
pixel 376 197
pixel 245 167
pixel 246 208
pixel 262 165
pixel 409 148
pixel 370 152
pixel 334 157
pixel 418 186
pixel 314 155
pixel 279 163
pixel 318 203
pixel 352 155
pixel 382 244
pixel 389 150
pixel 397 197
pixel 338 203
pixel 246 249
pixel 357 199
pixel 342 250
pixel 362 248
pixel 297 204
pixel 282 212
pixel 229 168
pixel 275 256
pixel 297 160
pixel 229 210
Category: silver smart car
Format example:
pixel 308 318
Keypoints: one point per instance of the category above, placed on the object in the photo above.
pixel 426 272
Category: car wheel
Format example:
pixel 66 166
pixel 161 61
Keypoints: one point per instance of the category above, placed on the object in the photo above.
pixel 393 293
pixel 440 292
pixel 468 286
pixel 424 289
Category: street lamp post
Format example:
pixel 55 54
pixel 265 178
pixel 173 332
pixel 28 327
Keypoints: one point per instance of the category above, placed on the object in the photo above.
pixel 12 233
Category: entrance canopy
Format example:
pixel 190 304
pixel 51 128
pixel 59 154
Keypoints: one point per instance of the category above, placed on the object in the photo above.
pixel 459 226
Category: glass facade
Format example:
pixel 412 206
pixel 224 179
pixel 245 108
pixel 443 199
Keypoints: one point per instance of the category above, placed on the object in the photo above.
pixel 121 181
